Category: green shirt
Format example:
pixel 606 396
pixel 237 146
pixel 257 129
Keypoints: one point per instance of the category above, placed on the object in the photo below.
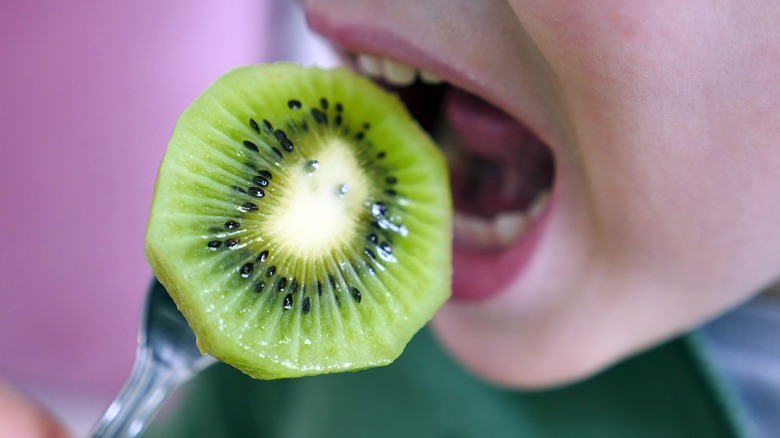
pixel 665 392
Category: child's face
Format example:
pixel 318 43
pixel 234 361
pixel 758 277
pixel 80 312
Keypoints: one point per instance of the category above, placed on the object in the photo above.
pixel 662 120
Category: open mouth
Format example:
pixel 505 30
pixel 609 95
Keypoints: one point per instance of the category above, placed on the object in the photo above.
pixel 501 173
pixel 506 185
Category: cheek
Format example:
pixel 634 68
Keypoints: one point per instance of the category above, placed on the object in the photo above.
pixel 602 50
pixel 583 39
pixel 706 219
pixel 674 108
pixel 674 119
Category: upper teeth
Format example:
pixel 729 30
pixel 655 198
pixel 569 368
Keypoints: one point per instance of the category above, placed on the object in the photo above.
pixel 393 72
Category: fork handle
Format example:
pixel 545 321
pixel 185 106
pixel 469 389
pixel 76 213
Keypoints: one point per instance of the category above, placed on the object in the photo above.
pixel 150 383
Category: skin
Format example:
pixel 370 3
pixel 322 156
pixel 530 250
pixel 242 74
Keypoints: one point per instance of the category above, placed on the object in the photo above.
pixel 23 418
pixel 664 119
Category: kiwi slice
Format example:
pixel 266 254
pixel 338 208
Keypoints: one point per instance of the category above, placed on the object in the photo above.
pixel 301 222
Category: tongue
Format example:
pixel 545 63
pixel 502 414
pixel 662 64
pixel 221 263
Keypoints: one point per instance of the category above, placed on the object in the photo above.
pixel 485 129
pixel 505 164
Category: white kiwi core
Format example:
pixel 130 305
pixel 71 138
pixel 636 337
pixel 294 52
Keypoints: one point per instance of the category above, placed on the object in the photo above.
pixel 322 200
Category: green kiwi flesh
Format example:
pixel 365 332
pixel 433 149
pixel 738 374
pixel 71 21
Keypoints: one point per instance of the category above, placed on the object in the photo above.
pixel 301 222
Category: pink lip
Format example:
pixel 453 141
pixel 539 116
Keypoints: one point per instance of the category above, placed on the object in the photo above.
pixel 355 38
pixel 477 275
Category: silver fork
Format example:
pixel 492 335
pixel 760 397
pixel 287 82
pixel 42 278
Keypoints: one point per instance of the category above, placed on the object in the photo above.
pixel 166 358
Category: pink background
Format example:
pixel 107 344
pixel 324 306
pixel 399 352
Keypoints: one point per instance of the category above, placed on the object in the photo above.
pixel 89 94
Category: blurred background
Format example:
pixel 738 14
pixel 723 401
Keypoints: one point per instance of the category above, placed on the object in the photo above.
pixel 89 94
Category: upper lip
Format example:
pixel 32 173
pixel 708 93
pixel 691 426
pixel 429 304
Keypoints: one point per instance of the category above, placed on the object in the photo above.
pixel 356 38
pixel 359 39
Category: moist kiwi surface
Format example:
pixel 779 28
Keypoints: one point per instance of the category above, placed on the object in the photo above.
pixel 301 222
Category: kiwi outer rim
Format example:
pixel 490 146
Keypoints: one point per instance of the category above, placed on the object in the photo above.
pixel 169 276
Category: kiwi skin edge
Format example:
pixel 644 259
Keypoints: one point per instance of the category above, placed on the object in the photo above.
pixel 343 328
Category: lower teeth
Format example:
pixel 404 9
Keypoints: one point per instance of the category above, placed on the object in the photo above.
pixel 500 232
pixel 477 232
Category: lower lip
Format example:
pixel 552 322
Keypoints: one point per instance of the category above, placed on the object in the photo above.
pixel 478 276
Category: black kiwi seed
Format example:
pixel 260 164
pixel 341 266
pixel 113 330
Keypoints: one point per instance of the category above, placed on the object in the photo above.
pixel 337 120
pixel 386 248
pixel 270 272
pixel 248 206
pixel 281 284
pixel 263 255
pixel 265 173
pixel 378 209
pixel 294 104
pixel 232 225
pixel 391 180
pixel 366 126
pixel 381 155
pixel 306 306
pixel 372 238
pixel 281 136
pixel 247 269
pixel 324 103
pixel 259 286
pixel 319 288
pixel 214 245
pixel 369 253
pixel 251 146
pixel 257 192
pixel 254 125
pixel 293 286
pixel 261 181
pixel 231 243
pixel 288 302
pixel 332 282
pixel 356 294
pixel 319 116
pixel 360 135
pixel 268 127
pixel 391 192
pixel 339 107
